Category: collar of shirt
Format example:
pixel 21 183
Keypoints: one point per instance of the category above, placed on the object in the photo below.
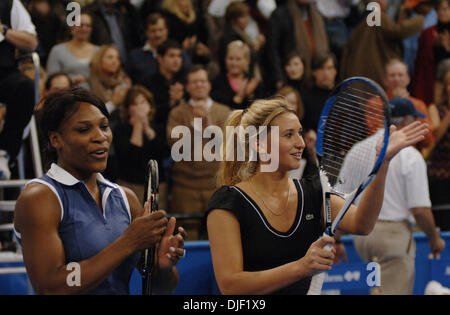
pixel 62 176
pixel 209 103
pixel 148 47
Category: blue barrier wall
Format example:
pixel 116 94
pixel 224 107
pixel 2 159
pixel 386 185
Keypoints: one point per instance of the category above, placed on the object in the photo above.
pixel 197 274
pixel 192 277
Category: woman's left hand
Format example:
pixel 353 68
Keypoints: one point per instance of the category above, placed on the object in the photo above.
pixel 171 246
pixel 408 135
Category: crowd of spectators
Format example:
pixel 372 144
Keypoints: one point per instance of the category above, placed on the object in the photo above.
pixel 154 62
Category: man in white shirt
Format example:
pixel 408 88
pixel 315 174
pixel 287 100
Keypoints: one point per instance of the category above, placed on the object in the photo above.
pixel 406 202
pixel 16 90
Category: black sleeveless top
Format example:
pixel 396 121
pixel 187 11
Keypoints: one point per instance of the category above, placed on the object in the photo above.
pixel 263 246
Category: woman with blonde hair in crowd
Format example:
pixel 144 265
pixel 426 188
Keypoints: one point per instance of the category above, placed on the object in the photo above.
pixel 110 83
pixel 237 19
pixel 236 87
pixel 107 79
pixel 264 227
pixel 188 28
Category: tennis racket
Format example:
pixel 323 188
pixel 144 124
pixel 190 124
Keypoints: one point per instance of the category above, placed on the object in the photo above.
pixel 352 139
pixel 151 194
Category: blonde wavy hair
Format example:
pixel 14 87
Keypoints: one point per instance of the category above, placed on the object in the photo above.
pixel 172 7
pixel 261 113
pixel 96 61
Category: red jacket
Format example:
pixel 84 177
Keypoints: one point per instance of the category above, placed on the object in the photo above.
pixel 423 78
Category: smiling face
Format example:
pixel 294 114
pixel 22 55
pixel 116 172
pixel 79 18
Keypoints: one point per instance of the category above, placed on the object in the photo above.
pixel 396 76
pixel 82 32
pixel 294 68
pixel 83 141
pixel 198 85
pixel 236 61
pixel 290 141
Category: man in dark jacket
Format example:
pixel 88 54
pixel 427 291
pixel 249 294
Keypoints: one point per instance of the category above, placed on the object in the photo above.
pixel 111 26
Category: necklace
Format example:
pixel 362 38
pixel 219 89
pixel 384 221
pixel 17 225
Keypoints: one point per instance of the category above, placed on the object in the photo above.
pixel 267 206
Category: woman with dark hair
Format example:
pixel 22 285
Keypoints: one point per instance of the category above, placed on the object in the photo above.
pixel 74 55
pixel 72 217
pixel 294 70
pixel 136 141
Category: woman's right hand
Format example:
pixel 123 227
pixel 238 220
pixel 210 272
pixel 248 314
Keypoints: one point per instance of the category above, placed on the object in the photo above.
pixel 317 258
pixel 147 230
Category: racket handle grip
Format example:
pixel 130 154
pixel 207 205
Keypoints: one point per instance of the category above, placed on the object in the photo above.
pixel 315 288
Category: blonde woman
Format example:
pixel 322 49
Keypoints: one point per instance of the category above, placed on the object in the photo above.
pixel 237 20
pixel 236 87
pixel 107 78
pixel 186 27
pixel 109 82
pixel 264 227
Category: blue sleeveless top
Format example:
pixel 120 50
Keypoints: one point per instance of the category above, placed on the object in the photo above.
pixel 85 229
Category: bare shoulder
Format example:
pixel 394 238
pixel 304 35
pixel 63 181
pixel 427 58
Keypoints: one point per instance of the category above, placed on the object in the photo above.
pixel 37 205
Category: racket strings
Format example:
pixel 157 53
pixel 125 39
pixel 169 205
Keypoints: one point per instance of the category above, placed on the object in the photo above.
pixel 348 102
pixel 374 101
pixel 356 115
